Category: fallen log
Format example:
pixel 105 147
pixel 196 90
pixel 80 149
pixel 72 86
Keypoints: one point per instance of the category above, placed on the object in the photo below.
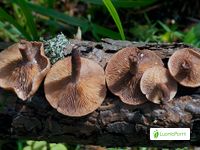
pixel 114 123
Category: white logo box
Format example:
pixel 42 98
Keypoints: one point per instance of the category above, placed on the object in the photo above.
pixel 169 133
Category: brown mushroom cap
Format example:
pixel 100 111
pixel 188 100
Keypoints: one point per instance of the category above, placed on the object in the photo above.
pixel 75 88
pixel 184 66
pixel 124 70
pixel 23 67
pixel 158 85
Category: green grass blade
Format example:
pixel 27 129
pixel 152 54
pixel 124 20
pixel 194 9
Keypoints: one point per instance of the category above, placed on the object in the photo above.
pixel 124 3
pixel 50 3
pixel 6 17
pixel 57 15
pixel 192 36
pixel 31 25
pixel 105 32
pixel 19 145
pixel 10 31
pixel 115 17
pixel 96 2
pixel 84 24
pixel 164 26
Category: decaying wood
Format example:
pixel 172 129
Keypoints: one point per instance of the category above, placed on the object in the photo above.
pixel 114 123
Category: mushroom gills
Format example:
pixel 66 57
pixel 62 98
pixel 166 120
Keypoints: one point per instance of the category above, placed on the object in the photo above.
pixel 22 68
pixel 21 79
pixel 124 70
pixel 78 89
pixel 158 85
pixel 164 92
pixel 184 67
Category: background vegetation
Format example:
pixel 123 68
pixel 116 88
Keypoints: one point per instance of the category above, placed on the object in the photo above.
pixel 135 20
pixel 138 20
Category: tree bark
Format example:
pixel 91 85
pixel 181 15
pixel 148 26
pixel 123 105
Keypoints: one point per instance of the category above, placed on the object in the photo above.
pixel 114 123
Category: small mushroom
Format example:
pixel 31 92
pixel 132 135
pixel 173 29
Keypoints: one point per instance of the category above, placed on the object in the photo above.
pixel 124 70
pixel 184 66
pixel 23 67
pixel 158 85
pixel 75 86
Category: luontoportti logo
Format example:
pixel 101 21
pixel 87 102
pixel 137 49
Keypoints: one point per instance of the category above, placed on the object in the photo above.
pixel 156 134
pixel 169 133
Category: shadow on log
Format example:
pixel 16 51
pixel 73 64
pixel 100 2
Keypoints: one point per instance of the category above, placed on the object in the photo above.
pixel 114 123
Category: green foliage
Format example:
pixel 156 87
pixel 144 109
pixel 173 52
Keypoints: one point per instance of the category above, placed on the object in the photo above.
pixel 28 29
pixel 145 33
pixel 26 25
pixel 170 34
pixel 21 22
pixel 59 16
pixel 157 32
pixel 29 21
pixel 5 17
pixel 124 3
pixel 193 36
pixel 47 3
pixel 59 146
pixel 19 145
pixel 83 23
pixel 43 145
pixel 9 32
pixel 115 17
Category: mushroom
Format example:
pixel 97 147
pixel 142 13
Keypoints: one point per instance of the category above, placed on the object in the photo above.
pixel 124 70
pixel 158 85
pixel 75 86
pixel 22 68
pixel 184 66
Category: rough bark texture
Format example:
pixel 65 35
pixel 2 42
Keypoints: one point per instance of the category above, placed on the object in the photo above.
pixel 114 123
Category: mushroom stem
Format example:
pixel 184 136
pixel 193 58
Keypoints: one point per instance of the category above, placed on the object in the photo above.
pixel 133 63
pixel 184 70
pixel 165 93
pixel 186 66
pixel 25 50
pixel 76 65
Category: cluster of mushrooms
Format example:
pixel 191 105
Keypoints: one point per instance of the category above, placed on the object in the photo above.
pixel 76 86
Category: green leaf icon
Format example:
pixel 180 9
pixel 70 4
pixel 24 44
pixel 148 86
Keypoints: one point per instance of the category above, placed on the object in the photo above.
pixel 155 134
